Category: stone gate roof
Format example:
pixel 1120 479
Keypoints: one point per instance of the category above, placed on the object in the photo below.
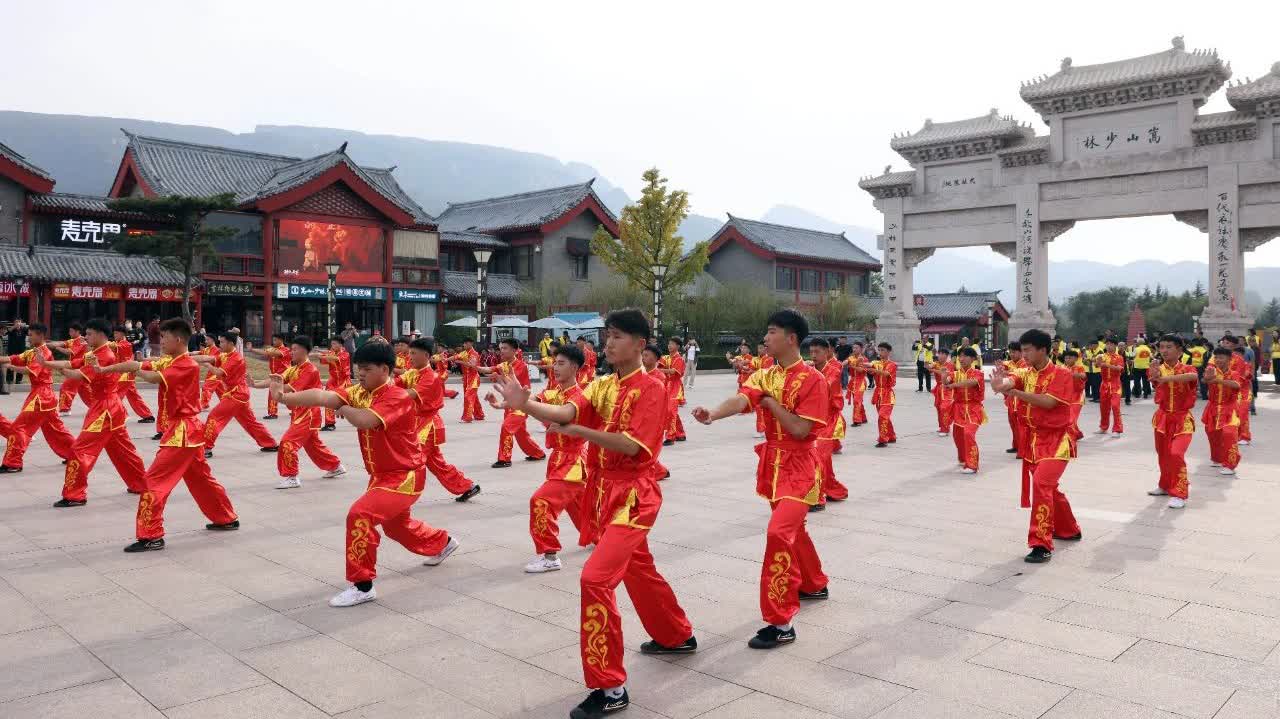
pixel 960 138
pixel 1260 97
pixel 521 211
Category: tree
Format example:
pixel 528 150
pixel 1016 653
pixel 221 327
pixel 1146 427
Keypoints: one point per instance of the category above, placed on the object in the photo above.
pixel 1198 292
pixel 648 237
pixel 877 285
pixel 1269 316
pixel 1092 313
pixel 183 249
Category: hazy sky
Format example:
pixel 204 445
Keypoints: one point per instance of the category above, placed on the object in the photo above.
pixel 744 104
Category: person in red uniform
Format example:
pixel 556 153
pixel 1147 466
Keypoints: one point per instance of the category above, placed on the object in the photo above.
pixel 387 422
pixel 671 369
pixel 277 356
pixel 1012 362
pixel 514 431
pixel 212 382
pixel 763 360
pixel 649 359
pixel 180 456
pixel 743 363
pixel 468 359
pixel 338 362
pixel 1071 360
pixel 830 434
pixel 588 371
pixel 967 413
pixel 440 363
pixel 40 408
pixel 1221 415
pixel 128 389
pixel 857 387
pixel 566 469
pixel 427 393
pixel 943 397
pixel 303 433
pixel 620 415
pixel 1045 392
pixel 104 424
pixel 1245 398
pixel 883 397
pixel 1176 385
pixel 231 373
pixel 71 387
pixel 1111 364
pixel 788 476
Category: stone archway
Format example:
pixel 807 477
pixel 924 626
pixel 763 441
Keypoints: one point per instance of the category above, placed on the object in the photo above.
pixel 1125 139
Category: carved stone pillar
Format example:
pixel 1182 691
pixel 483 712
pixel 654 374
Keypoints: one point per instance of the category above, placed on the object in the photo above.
pixel 1226 310
pixel 1031 265
pixel 897 323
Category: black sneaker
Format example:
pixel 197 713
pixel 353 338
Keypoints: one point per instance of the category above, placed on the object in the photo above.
pixel 772 637
pixel 157 435
pixel 329 428
pixel 1038 555
pixel 668 442
pixel 208 453
pixel 147 420
pixel 688 647
pixel 272 448
pixel 228 527
pixel 145 545
pixel 682 439
pixel 882 444
pixel 535 459
pixel 824 593
pixel 64 502
pixel 500 464
pixel 598 704
pixel 475 489
pixel 1011 450
pixel 271 416
pixel 1073 538
pixel 817 508
pixel 6 469
pixel 130 490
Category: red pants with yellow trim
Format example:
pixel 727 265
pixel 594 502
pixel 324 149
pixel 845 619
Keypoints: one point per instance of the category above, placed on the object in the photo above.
pixel 231 408
pixel 884 414
pixel 390 510
pixel 1242 411
pixel 24 427
pixel 210 389
pixel 791 563
pixel 331 416
pixel 831 487
pixel 303 437
pixel 622 556
pixel 675 428
pixel 71 388
pixel 129 393
pixel 1051 514
pixel 514 431
pixel 1015 428
pixel 273 407
pixel 1109 408
pixel 449 476
pixel 1171 453
pixel 170 465
pixel 859 410
pixel 965 435
pixel 85 450
pixel 943 410
pixel 471 407
pixel 1223 446
pixel 553 497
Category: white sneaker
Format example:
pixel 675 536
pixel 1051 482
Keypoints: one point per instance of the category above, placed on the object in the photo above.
pixel 436 559
pixel 760 435
pixel 1244 443
pixel 966 470
pixel 1176 503
pixel 1102 431
pixel 289 483
pixel 944 434
pixel 1215 464
pixel 1157 492
pixel 352 596
pixel 1117 435
pixel 334 473
pixel 1226 471
pixel 542 564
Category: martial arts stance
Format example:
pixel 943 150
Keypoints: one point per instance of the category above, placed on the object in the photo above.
pixel 427 393
pixel 1221 419
pixel 231 376
pixel 885 370
pixel 40 408
pixel 1176 385
pixel 967 413
pixel 514 429
pixel 304 420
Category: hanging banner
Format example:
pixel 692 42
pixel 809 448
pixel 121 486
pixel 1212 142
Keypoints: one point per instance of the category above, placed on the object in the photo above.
pixel 153 294
pixel 9 289
pixel 86 292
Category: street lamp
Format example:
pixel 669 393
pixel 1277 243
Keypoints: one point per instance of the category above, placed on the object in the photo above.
pixel 659 271
pixel 482 276
pixel 331 309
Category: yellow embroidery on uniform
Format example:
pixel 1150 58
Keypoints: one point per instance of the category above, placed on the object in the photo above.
pixel 623 515
pixel 540 516
pixel 596 645
pixel 145 507
pixel 1180 488
pixel 98 423
pixel 179 437
pixel 359 540
pixel 409 485
pixel 1042 522
pixel 779 577
pixel 73 468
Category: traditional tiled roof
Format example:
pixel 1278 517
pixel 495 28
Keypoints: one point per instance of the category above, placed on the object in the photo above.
pixel 960 138
pixel 523 211
pixel 1031 151
pixel 12 155
pixel 1169 73
pixel 76 265
pixel 1260 97
pixel 800 242
pixel 462 285
pixel 478 240
pixel 1219 127
pixel 69 202
pixel 889 184
pixel 958 306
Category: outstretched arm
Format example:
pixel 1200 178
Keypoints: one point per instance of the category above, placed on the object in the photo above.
pixel 122 367
pixel 736 404
pixel 517 398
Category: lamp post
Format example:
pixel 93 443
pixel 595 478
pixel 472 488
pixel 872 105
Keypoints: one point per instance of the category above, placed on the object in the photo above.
pixel 659 271
pixel 482 277
pixel 331 309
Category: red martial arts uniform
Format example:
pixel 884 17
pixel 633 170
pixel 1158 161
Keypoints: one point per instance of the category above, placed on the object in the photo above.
pixel 428 403
pixel 562 490
pixel 212 383
pixel 1244 399
pixel 762 416
pixel 181 453
pixel 339 365
pixel 514 429
pixel 1048 447
pixel 1174 427
pixel 587 372
pixel 440 363
pixel 128 389
pixel 278 362
pixel 943 398
pixel 1016 429
pixel 234 403
pixel 104 428
pixel 625 508
pixel 1080 375
pixel 77 346
pixel 39 412
pixel 857 388
pixel 884 398
pixel 304 426
pixel 830 434
pixel 967 414
pixel 1109 394
pixel 393 458
pixel 675 394
pixel 1222 421
pixel 471 409
pixel 788 477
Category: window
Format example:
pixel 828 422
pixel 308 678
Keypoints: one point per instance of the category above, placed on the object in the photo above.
pixel 580 265
pixel 522 261
pixel 786 278
pixel 808 280
pixel 446 260
pixel 397 274
pixel 834 281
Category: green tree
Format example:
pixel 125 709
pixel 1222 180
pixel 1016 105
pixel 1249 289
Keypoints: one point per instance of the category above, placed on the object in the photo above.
pixel 1174 314
pixel 1199 290
pixel 183 249
pixel 1269 316
pixel 877 285
pixel 1091 313
pixel 648 237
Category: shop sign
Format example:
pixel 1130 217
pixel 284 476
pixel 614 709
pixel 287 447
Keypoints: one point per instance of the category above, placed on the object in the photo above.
pixel 153 294
pixel 10 289
pixel 86 292
pixel 413 295
pixel 89 232
pixel 321 292
pixel 233 289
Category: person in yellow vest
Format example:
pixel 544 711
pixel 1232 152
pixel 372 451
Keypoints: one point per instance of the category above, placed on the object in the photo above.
pixel 1093 377
pixel 1198 355
pixel 544 348
pixel 1141 363
pixel 922 353
pixel 1275 354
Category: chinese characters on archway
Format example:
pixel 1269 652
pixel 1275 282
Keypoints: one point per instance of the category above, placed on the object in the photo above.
pixel 1131 138
pixel 891 263
pixel 1223 227
pixel 1026 256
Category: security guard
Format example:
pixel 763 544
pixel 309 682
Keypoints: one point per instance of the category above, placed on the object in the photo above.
pixel 922 349
pixel 1198 351
pixel 1141 363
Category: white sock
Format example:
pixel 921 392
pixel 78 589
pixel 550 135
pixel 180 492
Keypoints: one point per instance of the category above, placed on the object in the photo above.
pixel 615 692
pixel 783 627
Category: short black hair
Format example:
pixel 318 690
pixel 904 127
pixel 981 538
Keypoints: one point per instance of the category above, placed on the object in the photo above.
pixel 174 326
pixel 571 353
pixel 302 341
pixel 969 352
pixel 652 348
pixel 629 321
pixel 1170 337
pixel 76 326
pixel 819 342
pixel 885 345
pixel 375 353
pixel 336 340
pixel 1111 340
pixel 1221 351
pixel 98 325
pixel 1238 350
pixel 279 336
pixel 1036 338
pixel 1015 346
pixel 1230 338
pixel 1071 352
pixel 402 340
pixel 511 342
pixel 119 328
pixel 673 339
pixel 945 351
pixel 860 343
pixel 425 344
pixel 790 321
pixel 229 336
pixel 40 327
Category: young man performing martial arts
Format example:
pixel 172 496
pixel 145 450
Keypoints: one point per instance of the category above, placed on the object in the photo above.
pixel 427 393
pixel 514 429
pixel 1110 365
pixel 230 371
pixel 885 370
pixel 943 397
pixel 72 387
pixel 1012 362
pixel 1221 419
pixel 468 359
pixel 671 369
pixel 338 362
pixel 1176 386
pixel 128 389
pixel 830 434
pixel 857 388
pixel 967 413
pixel 277 356
pixel 40 408
pixel 304 420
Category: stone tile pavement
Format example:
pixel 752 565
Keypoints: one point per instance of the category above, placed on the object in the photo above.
pixel 1158 613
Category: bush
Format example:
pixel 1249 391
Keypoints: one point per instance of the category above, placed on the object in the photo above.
pixel 712 361
pixel 453 336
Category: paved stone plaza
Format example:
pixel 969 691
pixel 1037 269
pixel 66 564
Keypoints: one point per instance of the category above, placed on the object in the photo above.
pixel 1158 613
